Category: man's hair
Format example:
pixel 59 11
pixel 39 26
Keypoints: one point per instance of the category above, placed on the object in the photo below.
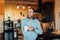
pixel 32 9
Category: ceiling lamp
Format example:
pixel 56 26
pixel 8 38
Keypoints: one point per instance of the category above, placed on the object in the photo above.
pixel 29 7
pixel 23 7
pixel 17 6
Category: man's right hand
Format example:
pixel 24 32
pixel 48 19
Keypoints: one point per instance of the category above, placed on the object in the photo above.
pixel 30 28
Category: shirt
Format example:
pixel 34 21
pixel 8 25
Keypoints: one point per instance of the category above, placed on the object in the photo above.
pixel 30 35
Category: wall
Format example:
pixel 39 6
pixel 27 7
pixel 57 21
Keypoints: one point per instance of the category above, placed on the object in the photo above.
pixel 57 16
pixel 1 23
pixel 1 15
pixel 1 7
pixel 47 1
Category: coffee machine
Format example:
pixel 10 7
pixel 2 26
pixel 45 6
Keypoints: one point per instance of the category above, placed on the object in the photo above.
pixel 8 29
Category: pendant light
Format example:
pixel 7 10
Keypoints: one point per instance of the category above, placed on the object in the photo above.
pixel 17 5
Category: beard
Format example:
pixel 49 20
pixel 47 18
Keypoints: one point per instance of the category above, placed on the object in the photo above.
pixel 29 16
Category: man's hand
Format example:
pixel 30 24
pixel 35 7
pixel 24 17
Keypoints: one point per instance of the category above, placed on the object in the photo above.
pixel 30 28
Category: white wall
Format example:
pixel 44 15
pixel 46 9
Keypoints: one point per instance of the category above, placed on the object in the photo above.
pixel 57 10
pixel 1 23
pixel 1 15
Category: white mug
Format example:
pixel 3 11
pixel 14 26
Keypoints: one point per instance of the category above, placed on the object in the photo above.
pixel 25 28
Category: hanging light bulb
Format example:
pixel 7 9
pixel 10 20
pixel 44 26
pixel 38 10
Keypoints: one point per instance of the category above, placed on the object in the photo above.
pixel 23 7
pixel 17 6
pixel 29 7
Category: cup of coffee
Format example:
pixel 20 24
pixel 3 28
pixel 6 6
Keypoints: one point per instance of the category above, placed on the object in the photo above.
pixel 25 28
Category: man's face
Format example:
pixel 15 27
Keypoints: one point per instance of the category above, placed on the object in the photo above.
pixel 30 13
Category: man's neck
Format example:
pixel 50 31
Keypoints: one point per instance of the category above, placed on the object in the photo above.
pixel 30 18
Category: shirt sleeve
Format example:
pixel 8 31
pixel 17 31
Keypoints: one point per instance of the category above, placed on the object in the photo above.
pixel 38 28
pixel 22 27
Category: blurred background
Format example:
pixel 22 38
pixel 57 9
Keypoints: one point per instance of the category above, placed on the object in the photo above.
pixel 47 12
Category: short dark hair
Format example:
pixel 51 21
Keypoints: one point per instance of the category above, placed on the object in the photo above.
pixel 32 9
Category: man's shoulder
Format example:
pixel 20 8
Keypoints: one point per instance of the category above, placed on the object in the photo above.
pixel 37 20
pixel 24 19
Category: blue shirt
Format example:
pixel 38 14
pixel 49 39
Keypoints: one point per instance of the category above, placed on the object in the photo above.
pixel 31 35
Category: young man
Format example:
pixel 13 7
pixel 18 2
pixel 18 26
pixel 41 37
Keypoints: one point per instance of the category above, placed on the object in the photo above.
pixel 30 26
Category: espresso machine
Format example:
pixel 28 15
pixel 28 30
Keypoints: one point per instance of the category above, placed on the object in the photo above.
pixel 8 29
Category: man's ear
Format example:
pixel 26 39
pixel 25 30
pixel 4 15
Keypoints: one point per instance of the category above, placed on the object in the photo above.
pixel 34 13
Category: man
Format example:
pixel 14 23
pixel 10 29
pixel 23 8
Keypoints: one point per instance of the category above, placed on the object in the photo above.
pixel 30 26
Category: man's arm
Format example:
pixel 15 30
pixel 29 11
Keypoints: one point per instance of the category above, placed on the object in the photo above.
pixel 38 29
pixel 22 27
